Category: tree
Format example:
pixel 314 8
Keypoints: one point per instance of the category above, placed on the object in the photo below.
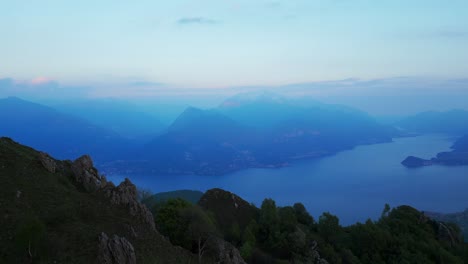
pixel 385 211
pixel 248 239
pixel 287 219
pixel 302 215
pixel 170 222
pixel 201 229
pixel 328 227
pixel 269 231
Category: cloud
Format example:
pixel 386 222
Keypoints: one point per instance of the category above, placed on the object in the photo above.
pixel 197 20
pixel 40 80
pixel 41 88
pixel 452 33
pixel 146 84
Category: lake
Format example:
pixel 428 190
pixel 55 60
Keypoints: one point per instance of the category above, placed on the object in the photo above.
pixel 353 184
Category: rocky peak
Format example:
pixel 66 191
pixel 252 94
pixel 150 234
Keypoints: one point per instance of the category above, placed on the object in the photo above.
pixel 48 162
pixel 85 173
pixel 125 194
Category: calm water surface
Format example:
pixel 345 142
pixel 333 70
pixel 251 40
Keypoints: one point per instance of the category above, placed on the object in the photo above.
pixel 354 184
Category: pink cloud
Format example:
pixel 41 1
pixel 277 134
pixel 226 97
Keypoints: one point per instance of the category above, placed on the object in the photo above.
pixel 40 80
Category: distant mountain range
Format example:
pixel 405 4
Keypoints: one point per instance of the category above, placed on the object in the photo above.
pixel 260 131
pixel 62 135
pixel 453 122
pixel 124 118
pixel 247 130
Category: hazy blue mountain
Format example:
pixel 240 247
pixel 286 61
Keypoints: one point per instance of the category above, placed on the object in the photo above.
pixel 238 135
pixel 270 109
pixel 296 119
pixel 451 122
pixel 199 141
pixel 59 134
pixel 122 117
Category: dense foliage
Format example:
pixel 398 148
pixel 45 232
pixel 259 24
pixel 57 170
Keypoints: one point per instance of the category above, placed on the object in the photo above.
pixel 291 234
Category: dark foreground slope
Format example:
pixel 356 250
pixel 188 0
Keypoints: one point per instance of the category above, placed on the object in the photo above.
pixel 63 212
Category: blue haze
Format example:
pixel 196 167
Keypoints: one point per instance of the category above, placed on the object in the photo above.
pixel 353 184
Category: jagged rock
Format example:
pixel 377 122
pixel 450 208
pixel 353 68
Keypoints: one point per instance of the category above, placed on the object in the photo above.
pixel 227 253
pixel 48 162
pixel 315 255
pixel 86 174
pixel 447 234
pixel 115 250
pixel 126 194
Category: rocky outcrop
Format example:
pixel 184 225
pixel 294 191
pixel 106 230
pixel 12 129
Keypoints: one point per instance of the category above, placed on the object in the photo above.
pixel 48 162
pixel 315 255
pixel 226 253
pixel 125 194
pixel 446 233
pixel 115 250
pixel 460 218
pixel 85 174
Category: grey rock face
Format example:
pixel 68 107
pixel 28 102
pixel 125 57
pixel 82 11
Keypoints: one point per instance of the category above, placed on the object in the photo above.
pixel 447 234
pixel 85 173
pixel 227 253
pixel 115 250
pixel 48 162
pixel 126 194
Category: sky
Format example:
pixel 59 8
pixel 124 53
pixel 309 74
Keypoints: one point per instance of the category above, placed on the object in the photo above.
pixel 125 48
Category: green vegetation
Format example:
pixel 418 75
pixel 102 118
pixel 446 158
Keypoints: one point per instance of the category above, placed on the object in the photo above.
pixel 187 225
pixel 188 195
pixel 47 217
pixel 290 235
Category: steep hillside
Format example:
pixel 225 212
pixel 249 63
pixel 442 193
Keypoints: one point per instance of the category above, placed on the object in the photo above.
pixel 65 212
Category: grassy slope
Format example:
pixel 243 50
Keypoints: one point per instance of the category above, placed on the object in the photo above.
pixel 72 218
